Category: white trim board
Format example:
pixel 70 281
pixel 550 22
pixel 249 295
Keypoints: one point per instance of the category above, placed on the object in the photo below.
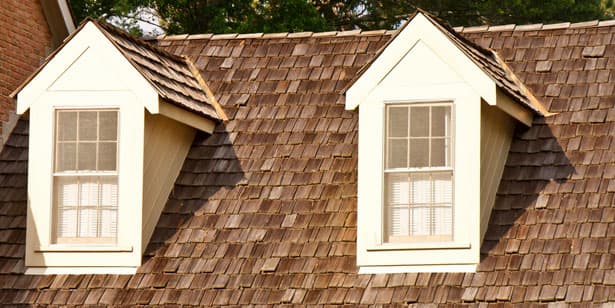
pixel 445 268
pixel 80 270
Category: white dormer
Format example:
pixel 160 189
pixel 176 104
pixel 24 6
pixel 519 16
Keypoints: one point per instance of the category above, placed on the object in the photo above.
pixel 111 122
pixel 436 118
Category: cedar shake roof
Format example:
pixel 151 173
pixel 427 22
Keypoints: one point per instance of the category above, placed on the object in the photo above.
pixel 493 65
pixel 264 210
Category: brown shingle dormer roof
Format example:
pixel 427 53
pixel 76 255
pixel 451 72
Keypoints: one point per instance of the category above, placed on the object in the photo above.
pixel 173 77
pixel 264 210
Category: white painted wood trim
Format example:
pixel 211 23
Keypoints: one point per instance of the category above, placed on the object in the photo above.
pixel 80 270
pixel 420 246
pixel 445 268
pixel 83 248
pixel 199 122
pixel 66 15
pixel 514 110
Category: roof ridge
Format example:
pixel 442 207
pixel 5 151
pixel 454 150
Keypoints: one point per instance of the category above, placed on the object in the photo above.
pixel 536 27
pixel 144 43
pixel 460 29
pixel 260 35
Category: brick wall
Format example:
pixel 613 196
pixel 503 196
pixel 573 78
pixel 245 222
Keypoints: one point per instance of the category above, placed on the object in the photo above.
pixel 25 40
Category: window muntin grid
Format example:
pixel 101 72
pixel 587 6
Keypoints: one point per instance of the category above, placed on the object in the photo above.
pixel 418 173
pixel 85 176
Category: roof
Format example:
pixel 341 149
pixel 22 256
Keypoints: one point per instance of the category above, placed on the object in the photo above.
pixel 486 59
pixel 264 210
pixel 173 77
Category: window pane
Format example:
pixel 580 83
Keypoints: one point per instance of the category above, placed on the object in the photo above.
pixel 106 156
pixel 440 121
pixel 419 121
pixel 109 191
pixel 399 188
pixel 67 191
pixel 398 153
pixel 67 199
pixel 421 221
pixel 398 121
pixel 87 125
pixel 108 222
pixel 419 152
pixel 67 125
pixel 420 189
pixel 108 125
pixel 66 157
pixel 399 221
pixel 87 156
pixel 439 151
pixel 443 188
pixel 88 222
pixel 443 221
pixel 67 222
pixel 88 191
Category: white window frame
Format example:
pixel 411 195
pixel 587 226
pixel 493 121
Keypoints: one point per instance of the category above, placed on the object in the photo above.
pixel 77 240
pixel 415 170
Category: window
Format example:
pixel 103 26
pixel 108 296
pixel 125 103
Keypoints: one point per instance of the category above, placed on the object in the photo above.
pixel 418 173
pixel 85 176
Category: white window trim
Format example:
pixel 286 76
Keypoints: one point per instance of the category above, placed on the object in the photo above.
pixel 64 270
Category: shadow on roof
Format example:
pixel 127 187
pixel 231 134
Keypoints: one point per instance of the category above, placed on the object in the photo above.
pixel 536 168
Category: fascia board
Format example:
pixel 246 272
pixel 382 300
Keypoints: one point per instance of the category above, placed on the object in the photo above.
pixel 186 117
pixel 514 109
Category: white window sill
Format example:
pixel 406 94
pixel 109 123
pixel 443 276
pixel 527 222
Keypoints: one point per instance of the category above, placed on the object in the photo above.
pixel 419 246
pixel 443 268
pixel 83 248
pixel 80 270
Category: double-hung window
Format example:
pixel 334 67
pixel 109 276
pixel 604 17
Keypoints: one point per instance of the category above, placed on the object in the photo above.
pixel 85 201
pixel 418 173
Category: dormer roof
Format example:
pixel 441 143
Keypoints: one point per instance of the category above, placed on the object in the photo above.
pixel 485 59
pixel 174 78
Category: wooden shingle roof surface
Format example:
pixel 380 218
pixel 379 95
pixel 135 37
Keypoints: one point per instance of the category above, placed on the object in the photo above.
pixel 169 74
pixel 173 77
pixel 264 210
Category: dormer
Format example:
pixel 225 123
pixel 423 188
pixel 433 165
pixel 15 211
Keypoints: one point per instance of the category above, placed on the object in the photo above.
pixel 436 118
pixel 111 122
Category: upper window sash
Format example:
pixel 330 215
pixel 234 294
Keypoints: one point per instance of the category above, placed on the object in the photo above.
pixel 418 136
